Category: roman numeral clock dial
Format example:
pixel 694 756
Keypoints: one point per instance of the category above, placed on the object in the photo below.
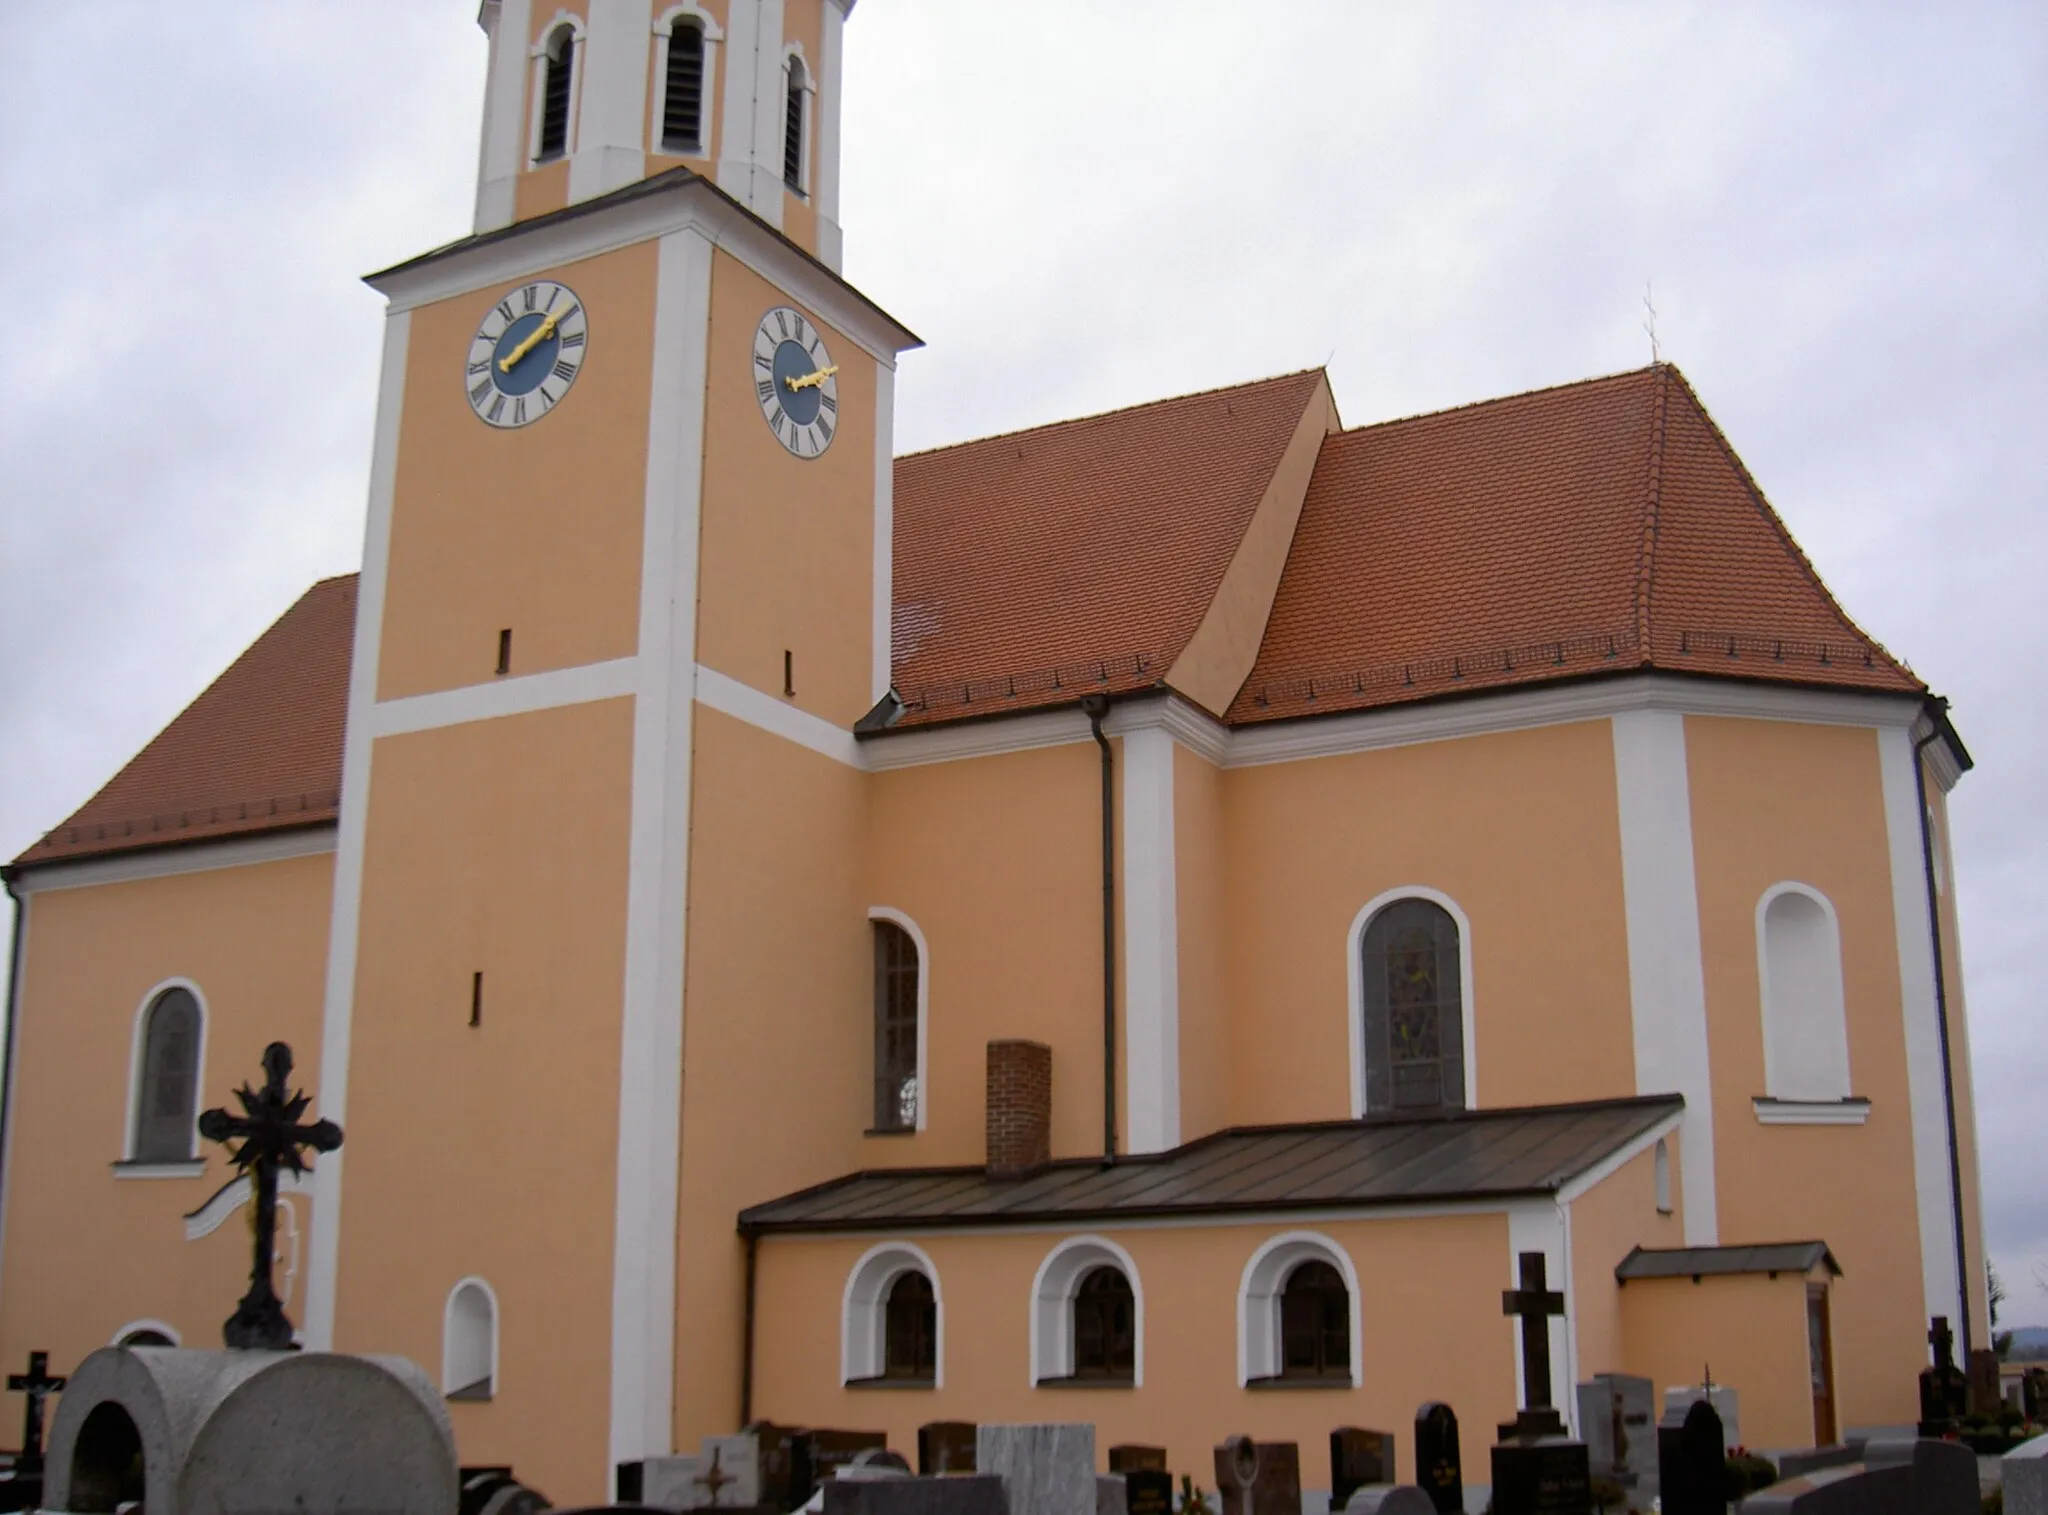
pixel 793 377
pixel 526 354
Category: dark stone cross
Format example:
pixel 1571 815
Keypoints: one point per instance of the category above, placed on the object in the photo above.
pixel 1943 1340
pixel 1535 1302
pixel 270 1136
pixel 36 1383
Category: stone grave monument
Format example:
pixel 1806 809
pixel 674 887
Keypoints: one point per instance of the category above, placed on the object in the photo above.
pixel 1923 1477
pixel 2024 1474
pixel 494 1491
pixel 1944 1393
pixel 1617 1418
pixel 1726 1402
pixel 1692 1462
pixel 1537 1468
pixel 1981 1377
pixel 952 1494
pixel 1131 1458
pixel 1044 1469
pixel 22 1488
pixel 1148 1486
pixel 1439 1472
pixel 1387 1499
pixel 1258 1478
pixel 1358 1458
pixel 817 1456
pixel 945 1446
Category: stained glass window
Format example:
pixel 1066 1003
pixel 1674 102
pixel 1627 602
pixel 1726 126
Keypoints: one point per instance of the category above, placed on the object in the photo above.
pixel 165 1104
pixel 1414 1010
pixel 896 970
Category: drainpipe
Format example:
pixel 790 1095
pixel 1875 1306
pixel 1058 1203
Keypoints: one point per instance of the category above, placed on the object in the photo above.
pixel 1948 1079
pixel 16 952
pixel 753 1241
pixel 1095 707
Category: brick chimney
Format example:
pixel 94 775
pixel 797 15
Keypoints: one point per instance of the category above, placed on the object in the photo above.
pixel 1019 1107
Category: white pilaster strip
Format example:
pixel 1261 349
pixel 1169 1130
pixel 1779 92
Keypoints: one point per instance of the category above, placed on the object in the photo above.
pixel 825 195
pixel 1151 945
pixel 736 126
pixel 358 745
pixel 1936 1201
pixel 743 702
pixel 504 114
pixel 657 867
pixel 1667 985
pixel 614 105
pixel 765 186
pixel 883 631
pixel 502 697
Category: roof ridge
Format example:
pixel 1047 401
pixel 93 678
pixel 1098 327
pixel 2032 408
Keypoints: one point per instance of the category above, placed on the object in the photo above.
pixel 1110 414
pixel 1777 525
pixel 1653 503
pixel 1520 394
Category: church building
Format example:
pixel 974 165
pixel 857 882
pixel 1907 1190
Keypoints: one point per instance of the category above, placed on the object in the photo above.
pixel 1142 920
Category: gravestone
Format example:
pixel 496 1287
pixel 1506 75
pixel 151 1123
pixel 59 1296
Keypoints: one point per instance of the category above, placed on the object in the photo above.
pixel 1727 1404
pixel 960 1494
pixel 2034 1393
pixel 1358 1458
pixel 1692 1462
pixel 728 1475
pixel 816 1455
pixel 23 1487
pixel 1148 1491
pixel 1045 1469
pixel 775 1456
pixel 1387 1499
pixel 1130 1458
pixel 2024 1473
pixel 1982 1375
pixel 1944 1392
pixel 668 1483
pixel 494 1491
pixel 1439 1473
pixel 1537 1469
pixel 1110 1498
pixel 1258 1478
pixel 1617 1418
pixel 946 1446
pixel 1912 1477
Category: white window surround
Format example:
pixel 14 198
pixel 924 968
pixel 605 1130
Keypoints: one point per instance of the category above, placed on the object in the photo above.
pixel 793 56
pixel 136 1051
pixel 924 992
pixel 1810 1112
pixel 469 1344
pixel 686 14
pixel 1661 1169
pixel 120 1337
pixel 537 94
pixel 863 1310
pixel 1258 1300
pixel 1052 1305
pixel 1801 996
pixel 1354 957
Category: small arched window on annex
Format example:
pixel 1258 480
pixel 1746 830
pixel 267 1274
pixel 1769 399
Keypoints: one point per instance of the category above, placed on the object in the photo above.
pixel 902 998
pixel 1805 1015
pixel 1410 955
pixel 469 1342
pixel 557 82
pixel 167 1054
pixel 799 92
pixel 1088 1316
pixel 1297 1315
pixel 1660 1176
pixel 893 1320
pixel 146 1333
pixel 686 39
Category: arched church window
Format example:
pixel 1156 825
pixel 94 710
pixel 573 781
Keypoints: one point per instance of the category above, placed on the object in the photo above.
pixel 682 99
pixel 167 1094
pixel 1414 1009
pixel 1105 1326
pixel 896 1027
pixel 910 1330
pixel 1315 1324
pixel 558 69
pixel 793 124
pixel 1806 1032
pixel 469 1342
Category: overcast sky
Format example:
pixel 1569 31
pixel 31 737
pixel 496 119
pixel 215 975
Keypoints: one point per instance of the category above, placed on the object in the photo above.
pixel 1840 208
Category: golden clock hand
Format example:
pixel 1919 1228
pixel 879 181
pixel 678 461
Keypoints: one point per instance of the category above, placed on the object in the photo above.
pixel 811 380
pixel 534 338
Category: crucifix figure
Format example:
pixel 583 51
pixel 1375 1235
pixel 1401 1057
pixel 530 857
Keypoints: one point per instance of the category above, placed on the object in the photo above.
pixel 270 1136
pixel 1535 1302
pixel 36 1383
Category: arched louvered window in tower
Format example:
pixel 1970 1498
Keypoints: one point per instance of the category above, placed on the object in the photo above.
pixel 557 73
pixel 1105 1326
pixel 1414 1009
pixel 896 970
pixel 682 100
pixel 793 126
pixel 910 1324
pixel 167 1098
pixel 1315 1324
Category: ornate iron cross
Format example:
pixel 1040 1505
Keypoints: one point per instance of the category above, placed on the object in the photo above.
pixel 35 1383
pixel 1535 1302
pixel 270 1136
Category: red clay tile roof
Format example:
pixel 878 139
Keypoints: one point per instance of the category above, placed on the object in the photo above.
pixel 259 750
pixel 1078 557
pixel 1588 529
pixel 1569 532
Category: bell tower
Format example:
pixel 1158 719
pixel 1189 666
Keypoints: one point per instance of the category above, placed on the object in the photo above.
pixel 584 97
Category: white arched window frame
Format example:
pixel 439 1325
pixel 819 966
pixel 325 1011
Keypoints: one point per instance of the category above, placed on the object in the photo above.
pixel 1805 1012
pixel 544 48
pixel 134 1328
pixel 138 1050
pixel 1354 956
pixel 924 996
pixel 793 59
pixel 1052 1305
pixel 469 1340
pixel 863 1310
pixel 1258 1301
pixel 664 28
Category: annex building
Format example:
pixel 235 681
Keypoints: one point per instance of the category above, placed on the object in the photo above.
pixel 1139 920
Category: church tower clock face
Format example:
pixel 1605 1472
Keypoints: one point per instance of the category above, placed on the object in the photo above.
pixel 526 354
pixel 794 381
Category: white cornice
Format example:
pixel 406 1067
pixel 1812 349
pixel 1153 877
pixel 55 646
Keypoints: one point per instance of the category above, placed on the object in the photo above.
pixel 973 739
pixel 687 204
pixel 190 857
pixel 1811 1112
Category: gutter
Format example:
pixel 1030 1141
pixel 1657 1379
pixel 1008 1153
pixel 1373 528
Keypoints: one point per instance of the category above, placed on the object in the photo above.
pixel 753 1241
pixel 1095 706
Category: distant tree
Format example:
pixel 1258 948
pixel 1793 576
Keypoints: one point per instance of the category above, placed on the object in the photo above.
pixel 1994 1294
pixel 2041 1276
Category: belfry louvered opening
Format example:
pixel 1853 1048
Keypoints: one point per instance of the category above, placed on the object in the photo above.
pixel 554 104
pixel 793 128
pixel 682 101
